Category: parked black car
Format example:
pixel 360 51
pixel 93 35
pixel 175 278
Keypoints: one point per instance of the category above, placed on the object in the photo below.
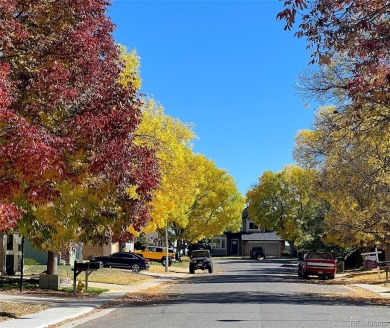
pixel 201 259
pixel 119 260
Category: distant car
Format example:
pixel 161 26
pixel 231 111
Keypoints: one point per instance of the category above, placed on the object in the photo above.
pixel 119 260
pixel 257 252
pixel 201 259
pixel 157 254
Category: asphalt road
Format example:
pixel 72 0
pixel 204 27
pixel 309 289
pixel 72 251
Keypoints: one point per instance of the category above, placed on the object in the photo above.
pixel 248 293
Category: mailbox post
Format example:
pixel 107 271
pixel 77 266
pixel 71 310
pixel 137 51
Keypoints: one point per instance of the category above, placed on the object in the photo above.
pixel 371 260
pixel 386 266
pixel 88 267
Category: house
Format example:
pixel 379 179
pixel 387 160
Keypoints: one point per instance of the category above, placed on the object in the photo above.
pixel 30 252
pixel 240 243
pixel 270 241
pixel 89 251
pixel 10 254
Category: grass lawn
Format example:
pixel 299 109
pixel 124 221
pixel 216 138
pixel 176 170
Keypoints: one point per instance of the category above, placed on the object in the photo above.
pixel 16 310
pixel 104 275
pixel 364 277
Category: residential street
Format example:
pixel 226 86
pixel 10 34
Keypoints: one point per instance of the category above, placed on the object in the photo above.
pixel 249 293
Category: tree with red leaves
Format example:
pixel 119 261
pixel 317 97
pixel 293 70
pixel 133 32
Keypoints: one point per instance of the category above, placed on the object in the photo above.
pixel 67 156
pixel 9 212
pixel 357 30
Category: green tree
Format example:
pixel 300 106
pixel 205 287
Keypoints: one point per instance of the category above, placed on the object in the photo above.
pixel 283 202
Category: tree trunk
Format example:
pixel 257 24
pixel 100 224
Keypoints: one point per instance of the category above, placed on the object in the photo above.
pixel 293 252
pixel 52 263
pixel 387 252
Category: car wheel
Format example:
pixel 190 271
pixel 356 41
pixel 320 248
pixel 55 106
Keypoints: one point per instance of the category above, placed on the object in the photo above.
pixel 163 261
pixel 210 269
pixel 192 270
pixel 135 268
pixel 331 276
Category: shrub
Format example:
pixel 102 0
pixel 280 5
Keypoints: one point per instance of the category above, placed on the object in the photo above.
pixel 29 261
pixel 285 252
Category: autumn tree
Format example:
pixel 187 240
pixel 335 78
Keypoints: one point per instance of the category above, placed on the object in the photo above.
pixel 130 75
pixel 353 164
pixel 283 202
pixel 172 140
pixel 217 205
pixel 349 145
pixel 10 214
pixel 67 151
pixel 195 199
pixel 190 183
pixel 358 30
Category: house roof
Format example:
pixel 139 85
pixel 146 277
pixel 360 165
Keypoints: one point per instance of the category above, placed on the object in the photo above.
pixel 269 236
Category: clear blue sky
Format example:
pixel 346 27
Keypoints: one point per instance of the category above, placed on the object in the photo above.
pixel 229 68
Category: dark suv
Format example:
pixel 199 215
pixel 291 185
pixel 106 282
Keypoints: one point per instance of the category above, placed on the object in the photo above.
pixel 258 252
pixel 201 259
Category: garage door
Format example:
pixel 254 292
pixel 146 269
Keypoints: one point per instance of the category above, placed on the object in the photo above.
pixel 271 249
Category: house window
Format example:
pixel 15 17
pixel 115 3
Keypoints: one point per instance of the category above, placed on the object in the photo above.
pixel 10 242
pixel 218 242
pixel 253 226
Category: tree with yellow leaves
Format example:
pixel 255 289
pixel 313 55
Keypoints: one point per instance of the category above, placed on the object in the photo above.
pixel 283 202
pixel 217 204
pixel 195 199
pixel 352 157
pixel 172 140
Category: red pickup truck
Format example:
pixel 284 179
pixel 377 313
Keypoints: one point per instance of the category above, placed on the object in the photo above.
pixel 319 264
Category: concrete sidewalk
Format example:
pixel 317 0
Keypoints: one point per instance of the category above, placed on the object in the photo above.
pixel 383 292
pixel 70 308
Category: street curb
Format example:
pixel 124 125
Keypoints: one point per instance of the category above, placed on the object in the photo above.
pixel 86 317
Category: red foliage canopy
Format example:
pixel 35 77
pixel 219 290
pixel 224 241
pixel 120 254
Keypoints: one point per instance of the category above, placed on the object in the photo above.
pixel 60 96
pixel 359 29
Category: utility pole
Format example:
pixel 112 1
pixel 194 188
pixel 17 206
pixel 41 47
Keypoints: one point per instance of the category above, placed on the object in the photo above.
pixel 166 250
pixel 21 267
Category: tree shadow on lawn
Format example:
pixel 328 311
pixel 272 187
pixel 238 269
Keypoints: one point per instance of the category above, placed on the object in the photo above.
pixel 7 315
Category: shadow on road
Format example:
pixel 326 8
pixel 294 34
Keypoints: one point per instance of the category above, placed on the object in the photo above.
pixel 253 297
pixel 205 291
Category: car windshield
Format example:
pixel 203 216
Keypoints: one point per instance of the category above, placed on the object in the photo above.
pixel 200 254
pixel 318 256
